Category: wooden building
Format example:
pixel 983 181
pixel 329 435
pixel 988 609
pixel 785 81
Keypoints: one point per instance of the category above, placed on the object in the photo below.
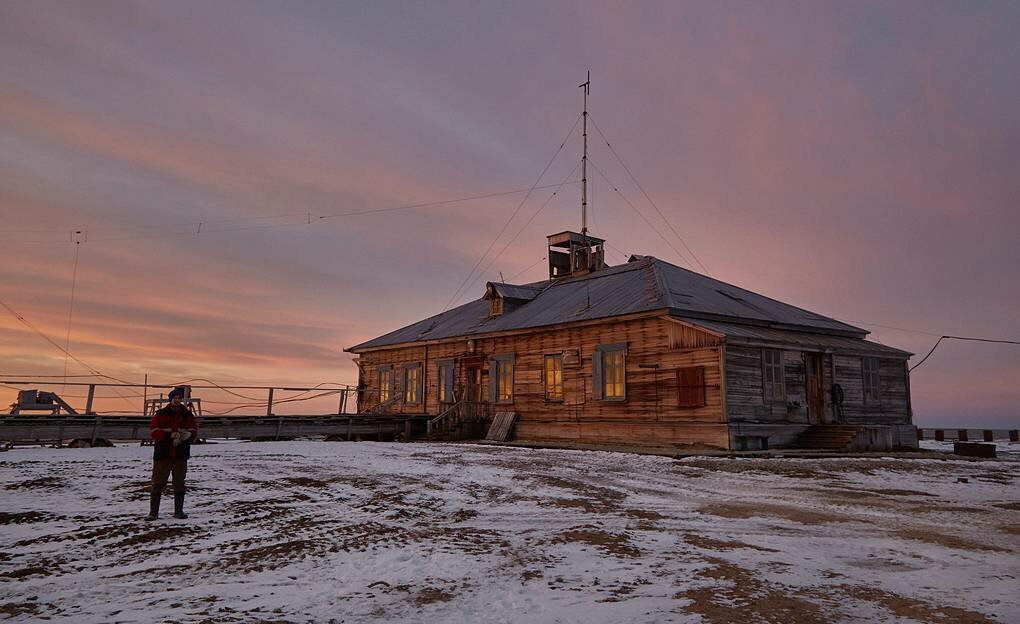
pixel 644 355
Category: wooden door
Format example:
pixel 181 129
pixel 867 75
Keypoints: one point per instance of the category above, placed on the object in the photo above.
pixel 473 391
pixel 815 387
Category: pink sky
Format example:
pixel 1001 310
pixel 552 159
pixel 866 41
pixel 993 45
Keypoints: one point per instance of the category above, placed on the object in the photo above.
pixel 856 159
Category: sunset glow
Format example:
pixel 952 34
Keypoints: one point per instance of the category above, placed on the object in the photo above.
pixel 854 159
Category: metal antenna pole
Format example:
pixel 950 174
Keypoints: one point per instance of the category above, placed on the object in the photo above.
pixel 584 160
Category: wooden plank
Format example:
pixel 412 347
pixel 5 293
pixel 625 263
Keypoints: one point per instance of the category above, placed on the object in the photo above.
pixel 501 426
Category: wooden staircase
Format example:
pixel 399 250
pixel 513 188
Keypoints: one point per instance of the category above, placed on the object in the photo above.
pixel 462 420
pixel 830 437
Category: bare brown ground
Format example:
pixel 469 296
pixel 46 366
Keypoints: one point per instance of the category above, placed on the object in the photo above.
pixel 734 510
pixel 431 595
pixel 617 544
pixel 709 543
pixel 737 595
pixel 26 517
pixel 947 541
pixel 42 483
pixel 918 610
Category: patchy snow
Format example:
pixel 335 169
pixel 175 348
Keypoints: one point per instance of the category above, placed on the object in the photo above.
pixel 374 532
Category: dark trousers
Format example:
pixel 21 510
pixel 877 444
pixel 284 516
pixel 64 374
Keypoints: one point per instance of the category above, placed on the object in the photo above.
pixel 163 468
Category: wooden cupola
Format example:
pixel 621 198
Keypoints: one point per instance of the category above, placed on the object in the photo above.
pixel 571 253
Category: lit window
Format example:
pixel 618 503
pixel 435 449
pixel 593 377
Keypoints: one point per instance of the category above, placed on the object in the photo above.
pixel 772 375
pixel 501 379
pixel 869 370
pixel 554 377
pixel 609 377
pixel 445 389
pixel 385 383
pixel 412 383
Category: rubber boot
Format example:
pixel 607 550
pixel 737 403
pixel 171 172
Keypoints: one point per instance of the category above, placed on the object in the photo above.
pixel 179 506
pixel 153 506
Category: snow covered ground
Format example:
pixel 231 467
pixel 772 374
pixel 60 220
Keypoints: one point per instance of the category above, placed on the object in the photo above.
pixel 373 532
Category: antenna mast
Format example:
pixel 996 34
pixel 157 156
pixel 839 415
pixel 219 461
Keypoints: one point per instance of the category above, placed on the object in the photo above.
pixel 584 160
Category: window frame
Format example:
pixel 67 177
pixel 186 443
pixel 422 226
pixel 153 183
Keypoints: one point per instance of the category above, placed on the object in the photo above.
pixel 699 391
pixel 871 394
pixel 446 374
pixel 770 388
pixel 404 386
pixel 389 388
pixel 552 357
pixel 498 367
pixel 599 376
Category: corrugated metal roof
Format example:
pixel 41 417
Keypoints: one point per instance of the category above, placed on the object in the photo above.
pixel 750 333
pixel 515 291
pixel 643 285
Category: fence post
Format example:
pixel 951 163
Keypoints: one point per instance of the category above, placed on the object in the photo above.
pixel 88 402
pixel 269 405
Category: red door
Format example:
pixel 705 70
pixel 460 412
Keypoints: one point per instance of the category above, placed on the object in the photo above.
pixel 815 387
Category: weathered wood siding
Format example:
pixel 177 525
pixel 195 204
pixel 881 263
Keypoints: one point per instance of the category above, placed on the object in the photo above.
pixel 745 397
pixel 892 407
pixel 649 416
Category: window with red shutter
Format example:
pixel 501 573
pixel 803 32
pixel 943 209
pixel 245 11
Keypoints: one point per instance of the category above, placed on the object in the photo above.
pixel 691 382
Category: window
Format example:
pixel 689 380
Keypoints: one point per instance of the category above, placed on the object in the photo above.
pixel 385 383
pixel 609 377
pixel 412 383
pixel 496 305
pixel 554 377
pixel 691 381
pixel 501 379
pixel 869 370
pixel 772 375
pixel 445 388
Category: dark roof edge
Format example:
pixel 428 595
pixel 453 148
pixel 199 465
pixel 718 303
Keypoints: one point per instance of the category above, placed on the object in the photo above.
pixel 740 320
pixel 757 294
pixel 400 329
pixel 866 346
pixel 534 328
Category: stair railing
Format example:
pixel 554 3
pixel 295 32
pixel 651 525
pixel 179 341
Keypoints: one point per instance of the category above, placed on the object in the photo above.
pixel 451 413
pixel 381 407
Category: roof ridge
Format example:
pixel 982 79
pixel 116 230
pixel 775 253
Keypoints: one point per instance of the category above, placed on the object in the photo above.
pixel 757 294
pixel 660 283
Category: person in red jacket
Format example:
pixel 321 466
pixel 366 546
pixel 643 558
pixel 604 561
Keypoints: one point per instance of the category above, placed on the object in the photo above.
pixel 172 429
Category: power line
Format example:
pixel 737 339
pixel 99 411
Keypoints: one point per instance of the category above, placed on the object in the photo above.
pixel 523 271
pixel 902 329
pixel 645 193
pixel 534 186
pixel 525 226
pixel 195 228
pixel 640 214
pixel 28 324
pixel 443 202
pixel 941 338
